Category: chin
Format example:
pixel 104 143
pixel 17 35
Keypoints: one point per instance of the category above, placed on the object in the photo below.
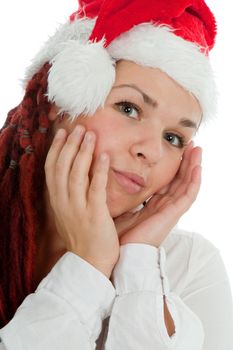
pixel 117 207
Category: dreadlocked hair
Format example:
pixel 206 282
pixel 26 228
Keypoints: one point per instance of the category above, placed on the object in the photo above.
pixel 23 149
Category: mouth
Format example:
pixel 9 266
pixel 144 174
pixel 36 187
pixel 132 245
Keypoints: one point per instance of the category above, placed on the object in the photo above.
pixel 130 182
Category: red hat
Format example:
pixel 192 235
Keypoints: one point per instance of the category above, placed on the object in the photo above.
pixel 174 36
pixel 192 20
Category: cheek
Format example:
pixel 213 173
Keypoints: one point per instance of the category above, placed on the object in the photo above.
pixel 106 142
pixel 165 174
pixel 102 127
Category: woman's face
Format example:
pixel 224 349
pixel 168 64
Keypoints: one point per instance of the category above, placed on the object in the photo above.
pixel 144 126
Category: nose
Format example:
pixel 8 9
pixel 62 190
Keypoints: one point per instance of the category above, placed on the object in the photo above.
pixel 148 147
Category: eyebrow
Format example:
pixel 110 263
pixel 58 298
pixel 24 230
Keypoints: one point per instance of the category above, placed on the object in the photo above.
pixel 187 123
pixel 147 99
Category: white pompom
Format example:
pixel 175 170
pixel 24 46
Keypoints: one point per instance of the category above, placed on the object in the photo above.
pixel 80 78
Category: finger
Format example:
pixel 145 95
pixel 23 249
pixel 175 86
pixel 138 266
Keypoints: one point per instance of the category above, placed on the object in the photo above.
pixel 97 195
pixel 79 175
pixel 189 193
pixel 192 158
pixel 51 159
pixel 174 209
pixel 185 160
pixel 180 173
pixel 196 175
pixel 195 159
pixel 65 160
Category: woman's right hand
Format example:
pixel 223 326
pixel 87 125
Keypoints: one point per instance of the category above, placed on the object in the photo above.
pixel 81 214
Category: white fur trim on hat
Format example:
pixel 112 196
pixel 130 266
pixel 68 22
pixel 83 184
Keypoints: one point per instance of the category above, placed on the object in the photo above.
pixel 78 30
pixel 83 73
pixel 158 47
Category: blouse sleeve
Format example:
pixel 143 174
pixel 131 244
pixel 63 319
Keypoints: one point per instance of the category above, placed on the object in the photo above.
pixel 65 312
pixel 2 347
pixel 137 318
pixel 209 296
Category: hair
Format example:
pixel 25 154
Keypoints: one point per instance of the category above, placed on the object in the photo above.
pixel 24 145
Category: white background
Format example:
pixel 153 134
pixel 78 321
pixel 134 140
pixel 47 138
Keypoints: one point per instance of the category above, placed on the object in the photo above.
pixel 26 24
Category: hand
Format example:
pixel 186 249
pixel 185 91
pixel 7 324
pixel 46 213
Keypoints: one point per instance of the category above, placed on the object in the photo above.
pixel 152 224
pixel 81 214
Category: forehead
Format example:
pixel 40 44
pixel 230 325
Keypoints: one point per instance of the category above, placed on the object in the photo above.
pixel 152 80
pixel 156 84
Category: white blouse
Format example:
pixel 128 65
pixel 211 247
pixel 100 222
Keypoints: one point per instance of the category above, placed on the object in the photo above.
pixel 76 307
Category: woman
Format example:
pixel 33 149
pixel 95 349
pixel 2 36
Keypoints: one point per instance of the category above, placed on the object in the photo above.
pixel 106 125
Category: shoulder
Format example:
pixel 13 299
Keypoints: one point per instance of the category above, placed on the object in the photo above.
pixel 187 255
pixel 192 242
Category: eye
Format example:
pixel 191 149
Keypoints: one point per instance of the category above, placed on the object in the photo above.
pixel 175 140
pixel 129 109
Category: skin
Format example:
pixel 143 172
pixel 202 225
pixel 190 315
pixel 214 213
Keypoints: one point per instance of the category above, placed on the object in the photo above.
pixel 123 138
pixel 134 142
pixel 82 190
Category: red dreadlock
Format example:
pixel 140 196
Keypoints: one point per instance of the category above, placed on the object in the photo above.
pixel 23 148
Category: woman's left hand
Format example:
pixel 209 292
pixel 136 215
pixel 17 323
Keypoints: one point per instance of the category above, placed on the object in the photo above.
pixel 152 224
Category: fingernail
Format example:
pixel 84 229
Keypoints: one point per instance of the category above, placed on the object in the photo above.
pixel 103 157
pixel 88 137
pixel 78 130
pixel 60 133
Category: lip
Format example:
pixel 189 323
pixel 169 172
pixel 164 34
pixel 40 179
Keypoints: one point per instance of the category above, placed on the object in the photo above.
pixel 131 182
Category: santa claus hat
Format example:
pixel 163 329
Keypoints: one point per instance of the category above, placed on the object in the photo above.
pixel 174 36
